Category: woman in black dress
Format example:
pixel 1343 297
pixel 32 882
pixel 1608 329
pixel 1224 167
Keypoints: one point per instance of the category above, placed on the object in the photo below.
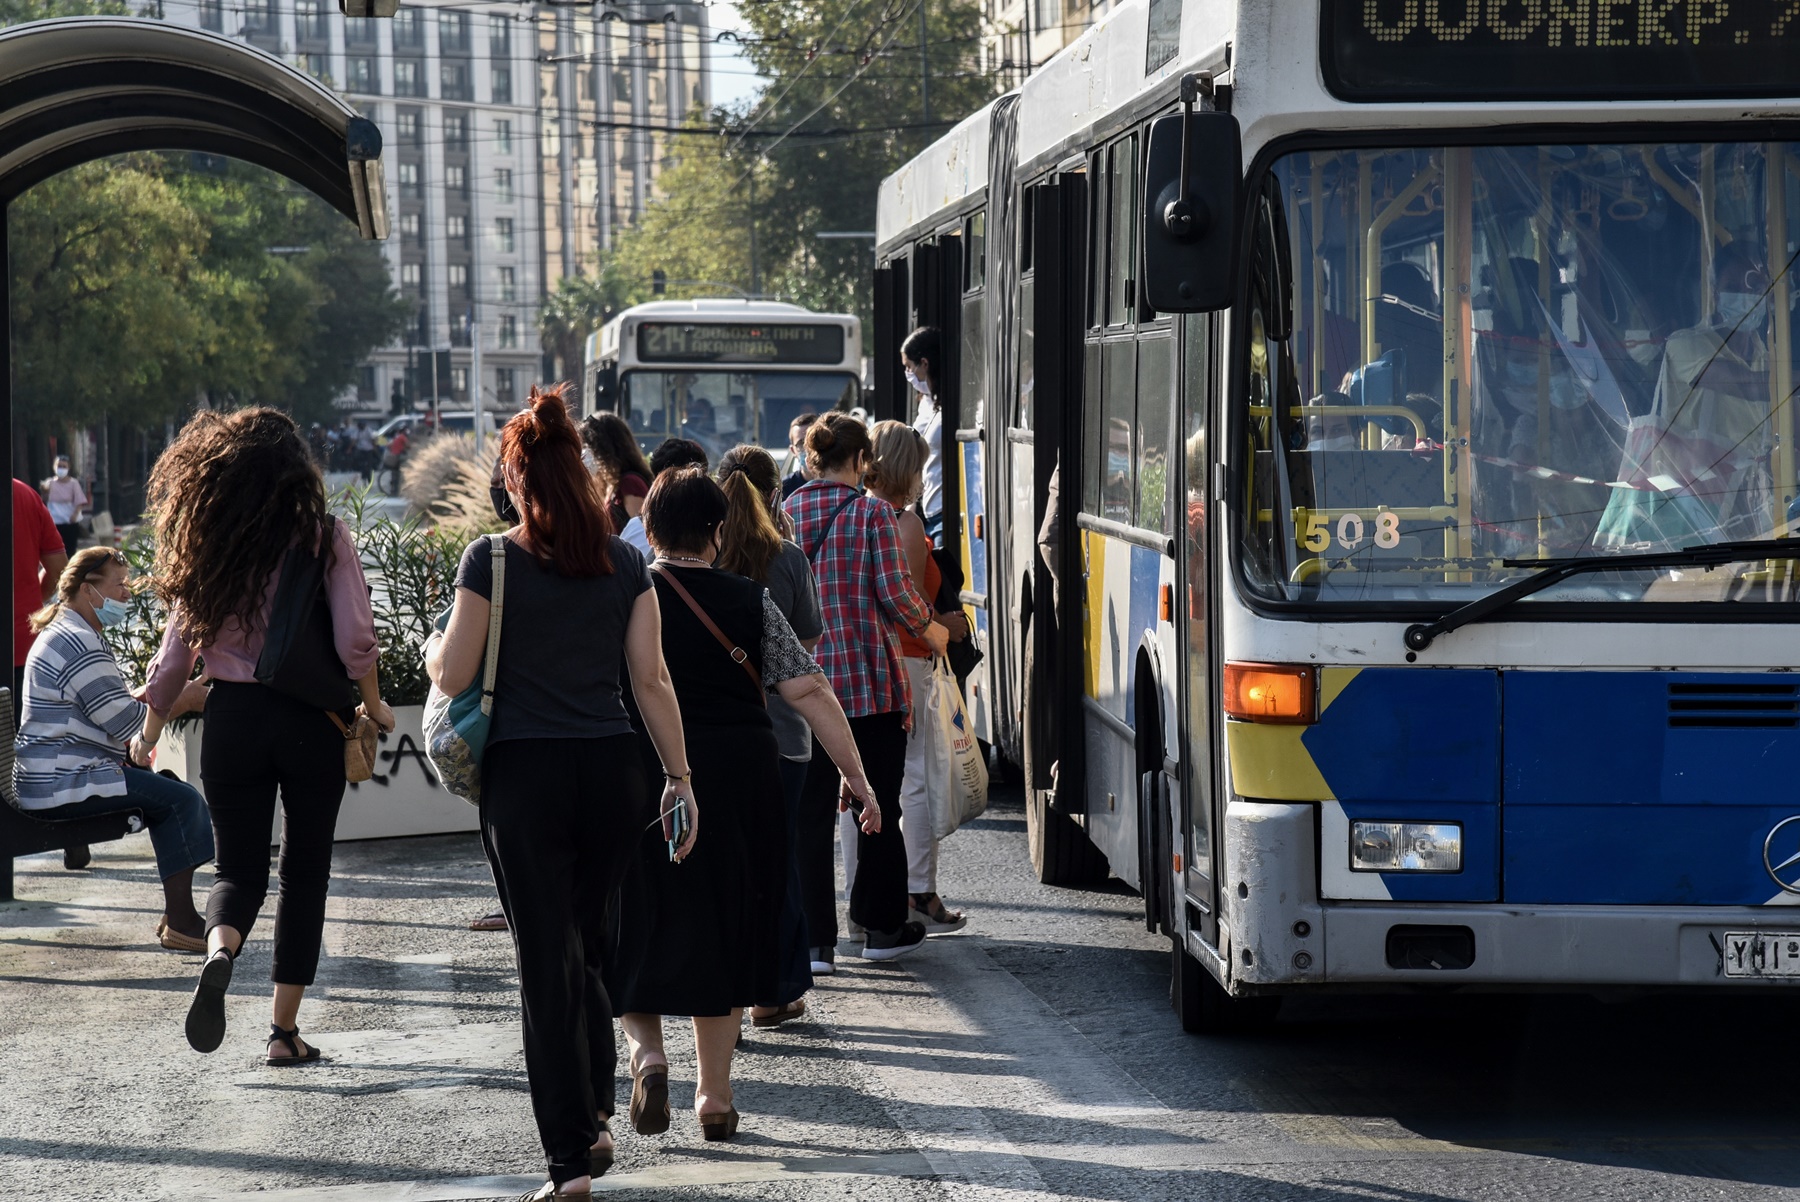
pixel 700 938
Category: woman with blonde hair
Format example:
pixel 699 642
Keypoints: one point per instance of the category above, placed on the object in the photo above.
pixel 750 544
pixel 895 475
pixel 84 740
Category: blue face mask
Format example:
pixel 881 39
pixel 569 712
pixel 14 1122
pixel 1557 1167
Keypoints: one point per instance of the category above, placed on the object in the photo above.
pixel 110 612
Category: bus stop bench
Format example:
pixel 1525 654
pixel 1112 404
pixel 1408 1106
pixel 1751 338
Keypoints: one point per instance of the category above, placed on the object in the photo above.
pixel 24 834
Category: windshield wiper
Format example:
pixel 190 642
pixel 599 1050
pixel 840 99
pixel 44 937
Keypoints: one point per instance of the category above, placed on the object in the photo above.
pixel 1553 571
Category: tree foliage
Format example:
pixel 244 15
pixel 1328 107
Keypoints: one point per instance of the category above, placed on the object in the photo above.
pixel 844 85
pixel 141 285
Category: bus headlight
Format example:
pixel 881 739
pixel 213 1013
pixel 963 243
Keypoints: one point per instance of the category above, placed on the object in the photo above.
pixel 1405 847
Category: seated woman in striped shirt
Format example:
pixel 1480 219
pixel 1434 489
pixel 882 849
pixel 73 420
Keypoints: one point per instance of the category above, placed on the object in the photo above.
pixel 84 739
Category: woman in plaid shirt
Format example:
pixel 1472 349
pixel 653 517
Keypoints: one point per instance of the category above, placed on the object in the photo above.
pixel 865 592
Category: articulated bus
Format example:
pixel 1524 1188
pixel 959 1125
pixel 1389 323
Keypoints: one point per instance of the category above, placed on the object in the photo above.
pixel 1373 447
pixel 722 372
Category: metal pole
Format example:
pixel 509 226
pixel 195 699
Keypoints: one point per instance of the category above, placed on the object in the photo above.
pixel 565 132
pixel 755 277
pixel 925 70
pixel 475 371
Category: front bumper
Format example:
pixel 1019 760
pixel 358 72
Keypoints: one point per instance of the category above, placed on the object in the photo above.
pixel 1281 934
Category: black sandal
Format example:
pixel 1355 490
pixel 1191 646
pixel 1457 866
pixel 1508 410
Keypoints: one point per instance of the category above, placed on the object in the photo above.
pixel 206 1013
pixel 292 1039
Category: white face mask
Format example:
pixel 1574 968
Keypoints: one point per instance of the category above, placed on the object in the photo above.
pixel 918 384
pixel 61 472
pixel 1744 310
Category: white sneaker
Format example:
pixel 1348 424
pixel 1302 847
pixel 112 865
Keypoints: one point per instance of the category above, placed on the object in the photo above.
pixel 822 964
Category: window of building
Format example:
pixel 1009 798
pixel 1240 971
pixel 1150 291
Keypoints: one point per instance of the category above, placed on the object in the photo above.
pixel 506 388
pixel 316 65
pixel 456 228
pixel 410 226
pixel 365 383
pixel 456 179
pixel 309 20
pixel 409 179
pixel 509 331
pixel 454 81
pixel 503 186
pixel 359 31
pixel 409 28
pixel 456 130
pixel 409 77
pixel 459 276
pixel 459 382
pixel 503 235
pixel 412 275
pixel 212 15
pixel 503 137
pixel 406 126
pixel 360 75
pixel 509 285
pixel 501 78
pixel 500 36
pixel 453 33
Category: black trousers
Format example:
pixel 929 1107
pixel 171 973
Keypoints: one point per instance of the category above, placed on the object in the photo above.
pixel 260 744
pixel 878 898
pixel 71 534
pixel 560 820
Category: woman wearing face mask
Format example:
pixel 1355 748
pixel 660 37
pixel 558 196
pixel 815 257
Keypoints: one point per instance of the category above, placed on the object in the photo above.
pixel 84 740
pixel 920 355
pixel 66 498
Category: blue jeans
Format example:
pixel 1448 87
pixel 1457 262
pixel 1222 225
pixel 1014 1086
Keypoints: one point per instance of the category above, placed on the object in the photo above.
pixel 180 828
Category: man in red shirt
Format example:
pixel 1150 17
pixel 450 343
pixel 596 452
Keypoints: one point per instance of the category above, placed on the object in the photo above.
pixel 38 560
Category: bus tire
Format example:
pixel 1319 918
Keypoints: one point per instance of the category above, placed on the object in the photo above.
pixel 1203 1005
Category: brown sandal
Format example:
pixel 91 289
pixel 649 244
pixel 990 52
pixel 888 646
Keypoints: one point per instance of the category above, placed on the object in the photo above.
pixel 783 1014
pixel 650 1099
pixel 717 1127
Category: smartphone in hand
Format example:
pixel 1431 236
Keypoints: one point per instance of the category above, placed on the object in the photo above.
pixel 675 826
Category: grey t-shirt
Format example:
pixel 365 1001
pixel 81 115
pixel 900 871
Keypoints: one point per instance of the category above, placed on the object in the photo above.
pixel 562 643
pixel 796 595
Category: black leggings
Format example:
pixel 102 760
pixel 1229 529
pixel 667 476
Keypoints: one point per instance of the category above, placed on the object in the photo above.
pixel 878 898
pixel 561 820
pixel 259 742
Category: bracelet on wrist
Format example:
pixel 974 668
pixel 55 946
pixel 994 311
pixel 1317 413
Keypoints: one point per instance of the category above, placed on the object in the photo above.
pixel 681 779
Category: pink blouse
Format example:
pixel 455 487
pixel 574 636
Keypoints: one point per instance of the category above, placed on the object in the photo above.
pixel 233 655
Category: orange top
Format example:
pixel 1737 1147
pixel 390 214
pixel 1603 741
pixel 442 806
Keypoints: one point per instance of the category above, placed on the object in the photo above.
pixel 911 645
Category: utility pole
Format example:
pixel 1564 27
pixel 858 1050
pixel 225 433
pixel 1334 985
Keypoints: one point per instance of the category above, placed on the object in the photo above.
pixel 755 277
pixel 565 131
pixel 475 371
pixel 925 69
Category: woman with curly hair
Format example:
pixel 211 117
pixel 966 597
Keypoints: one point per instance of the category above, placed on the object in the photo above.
pixel 230 497
pixel 619 464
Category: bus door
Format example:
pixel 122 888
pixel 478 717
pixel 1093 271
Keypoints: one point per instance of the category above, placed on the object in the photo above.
pixel 891 398
pixel 1194 649
pixel 964 423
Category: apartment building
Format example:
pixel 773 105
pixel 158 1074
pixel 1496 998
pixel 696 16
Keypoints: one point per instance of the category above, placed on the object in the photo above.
pixel 1025 33
pixel 612 80
pixel 452 90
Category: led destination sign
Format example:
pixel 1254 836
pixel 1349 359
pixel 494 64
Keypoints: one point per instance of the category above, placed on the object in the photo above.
pixel 739 342
pixel 1398 50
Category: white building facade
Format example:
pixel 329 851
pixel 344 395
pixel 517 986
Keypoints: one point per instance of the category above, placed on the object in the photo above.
pixel 453 91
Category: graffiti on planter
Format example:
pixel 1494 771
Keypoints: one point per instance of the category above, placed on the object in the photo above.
pixel 403 749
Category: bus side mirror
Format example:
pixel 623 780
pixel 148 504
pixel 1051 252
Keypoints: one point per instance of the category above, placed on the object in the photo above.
pixel 1190 224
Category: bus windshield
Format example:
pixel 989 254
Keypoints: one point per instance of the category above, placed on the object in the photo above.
pixel 720 409
pixel 1464 359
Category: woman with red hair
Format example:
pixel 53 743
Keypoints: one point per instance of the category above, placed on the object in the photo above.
pixel 563 789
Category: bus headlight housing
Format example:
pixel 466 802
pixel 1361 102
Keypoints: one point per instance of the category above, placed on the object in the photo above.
pixel 1281 694
pixel 1406 847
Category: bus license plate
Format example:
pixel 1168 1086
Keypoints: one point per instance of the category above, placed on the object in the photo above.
pixel 1762 953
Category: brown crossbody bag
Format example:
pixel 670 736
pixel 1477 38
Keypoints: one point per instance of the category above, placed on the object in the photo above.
pixel 738 655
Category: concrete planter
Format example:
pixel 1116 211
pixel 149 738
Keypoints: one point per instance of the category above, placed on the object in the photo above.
pixel 403 798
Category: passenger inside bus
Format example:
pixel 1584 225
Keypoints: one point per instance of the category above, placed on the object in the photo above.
pixel 1697 467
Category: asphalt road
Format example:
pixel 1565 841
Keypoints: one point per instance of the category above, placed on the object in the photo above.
pixel 1032 1056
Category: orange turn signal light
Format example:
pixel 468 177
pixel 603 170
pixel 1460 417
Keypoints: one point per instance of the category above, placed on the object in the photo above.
pixel 1276 693
pixel 1166 604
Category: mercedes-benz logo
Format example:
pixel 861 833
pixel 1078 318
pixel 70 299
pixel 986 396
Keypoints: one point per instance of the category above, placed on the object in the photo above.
pixel 1785 873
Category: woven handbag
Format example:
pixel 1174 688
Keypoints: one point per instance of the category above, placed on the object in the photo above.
pixel 456 728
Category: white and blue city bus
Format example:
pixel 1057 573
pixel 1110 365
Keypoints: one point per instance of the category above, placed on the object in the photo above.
pixel 722 372
pixel 1420 605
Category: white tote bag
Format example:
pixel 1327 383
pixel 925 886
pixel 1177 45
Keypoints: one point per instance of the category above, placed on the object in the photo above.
pixel 959 777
